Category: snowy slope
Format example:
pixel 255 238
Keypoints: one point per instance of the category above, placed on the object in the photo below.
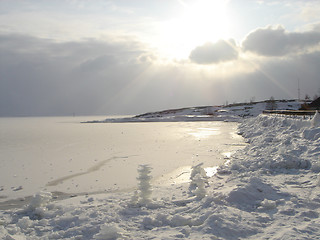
pixel 268 190
pixel 232 112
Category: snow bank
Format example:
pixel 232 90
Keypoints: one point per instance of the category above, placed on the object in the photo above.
pixel 277 144
pixel 270 190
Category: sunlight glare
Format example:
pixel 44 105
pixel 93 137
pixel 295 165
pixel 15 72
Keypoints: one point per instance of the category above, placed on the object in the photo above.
pixel 207 19
pixel 201 133
pixel 202 21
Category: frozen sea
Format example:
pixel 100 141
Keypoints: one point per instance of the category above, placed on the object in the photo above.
pixel 63 155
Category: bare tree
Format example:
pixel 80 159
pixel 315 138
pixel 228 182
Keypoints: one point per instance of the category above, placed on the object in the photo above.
pixel 307 98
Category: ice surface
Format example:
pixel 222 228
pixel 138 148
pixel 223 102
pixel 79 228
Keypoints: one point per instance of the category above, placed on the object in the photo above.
pixel 62 156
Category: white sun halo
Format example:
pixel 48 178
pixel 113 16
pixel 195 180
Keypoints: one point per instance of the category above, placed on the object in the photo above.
pixel 201 21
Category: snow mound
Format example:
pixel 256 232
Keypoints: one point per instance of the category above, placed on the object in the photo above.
pixel 277 144
pixel 252 193
pixel 37 207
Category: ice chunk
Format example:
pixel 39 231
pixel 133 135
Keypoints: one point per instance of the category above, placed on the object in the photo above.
pixel 200 190
pixel 178 220
pixel 39 200
pixel 143 195
pixel 198 169
pixel 37 206
pixel 108 232
pixel 315 121
pixel 268 204
pixel 24 223
pixel 198 179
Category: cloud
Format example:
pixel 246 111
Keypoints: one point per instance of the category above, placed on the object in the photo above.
pixel 310 11
pixel 118 76
pixel 43 77
pixel 271 41
pixel 91 77
pixel 211 53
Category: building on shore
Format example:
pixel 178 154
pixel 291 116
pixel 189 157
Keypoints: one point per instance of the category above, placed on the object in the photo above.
pixel 314 105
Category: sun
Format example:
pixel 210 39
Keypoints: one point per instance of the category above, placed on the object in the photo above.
pixel 201 21
pixel 207 19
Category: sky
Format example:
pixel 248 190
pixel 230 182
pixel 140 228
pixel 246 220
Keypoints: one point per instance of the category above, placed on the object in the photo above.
pixel 104 57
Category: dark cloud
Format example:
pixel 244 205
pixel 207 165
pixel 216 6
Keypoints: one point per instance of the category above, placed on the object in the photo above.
pixel 210 53
pixel 42 77
pixel 277 42
pixel 100 63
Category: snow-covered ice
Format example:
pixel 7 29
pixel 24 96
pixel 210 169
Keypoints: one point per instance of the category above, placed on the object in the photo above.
pixel 266 190
pixel 66 158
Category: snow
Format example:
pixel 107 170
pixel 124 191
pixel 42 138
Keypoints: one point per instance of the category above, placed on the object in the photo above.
pixel 232 113
pixel 266 190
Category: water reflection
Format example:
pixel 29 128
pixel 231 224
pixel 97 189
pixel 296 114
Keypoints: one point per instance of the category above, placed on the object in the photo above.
pixel 211 171
pixel 204 132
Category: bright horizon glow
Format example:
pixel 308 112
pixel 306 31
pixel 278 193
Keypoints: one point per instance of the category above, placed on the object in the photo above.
pixel 202 21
